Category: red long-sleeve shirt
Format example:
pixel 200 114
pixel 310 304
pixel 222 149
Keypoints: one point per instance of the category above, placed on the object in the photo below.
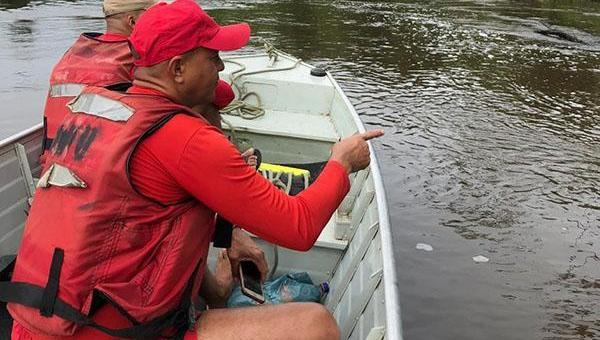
pixel 189 157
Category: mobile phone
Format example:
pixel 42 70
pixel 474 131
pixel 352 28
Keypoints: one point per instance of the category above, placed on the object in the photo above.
pixel 250 281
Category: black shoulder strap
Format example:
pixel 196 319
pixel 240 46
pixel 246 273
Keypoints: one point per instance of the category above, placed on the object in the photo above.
pixel 51 290
pixel 120 87
pixel 46 142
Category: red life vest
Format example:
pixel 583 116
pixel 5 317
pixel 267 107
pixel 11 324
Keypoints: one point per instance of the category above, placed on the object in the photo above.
pixel 90 61
pixel 115 245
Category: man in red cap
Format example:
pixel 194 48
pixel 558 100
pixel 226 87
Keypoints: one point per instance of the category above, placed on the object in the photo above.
pixel 105 60
pixel 118 234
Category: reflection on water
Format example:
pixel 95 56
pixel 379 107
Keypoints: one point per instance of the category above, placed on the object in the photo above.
pixel 492 114
pixel 33 36
pixel 12 4
pixel 21 31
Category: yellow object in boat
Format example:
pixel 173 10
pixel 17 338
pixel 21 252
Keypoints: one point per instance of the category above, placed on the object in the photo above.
pixel 289 179
pixel 284 169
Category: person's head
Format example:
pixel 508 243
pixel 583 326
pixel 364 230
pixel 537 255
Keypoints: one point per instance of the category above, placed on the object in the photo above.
pixel 176 49
pixel 121 15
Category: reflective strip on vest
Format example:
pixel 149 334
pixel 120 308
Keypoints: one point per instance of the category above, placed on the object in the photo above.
pixel 66 90
pixel 100 106
pixel 60 176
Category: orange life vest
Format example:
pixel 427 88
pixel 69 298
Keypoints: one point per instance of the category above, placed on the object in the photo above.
pixel 90 61
pixel 91 238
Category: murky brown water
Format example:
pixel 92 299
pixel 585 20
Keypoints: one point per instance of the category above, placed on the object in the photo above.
pixel 492 114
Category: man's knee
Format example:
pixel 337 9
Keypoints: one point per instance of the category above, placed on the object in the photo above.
pixel 319 315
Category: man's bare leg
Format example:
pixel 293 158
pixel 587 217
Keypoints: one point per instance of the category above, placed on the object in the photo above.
pixel 291 321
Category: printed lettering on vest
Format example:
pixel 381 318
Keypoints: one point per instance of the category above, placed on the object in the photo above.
pixel 65 137
pixel 84 142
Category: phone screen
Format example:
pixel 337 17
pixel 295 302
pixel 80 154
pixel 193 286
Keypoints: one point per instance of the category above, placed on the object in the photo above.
pixel 250 281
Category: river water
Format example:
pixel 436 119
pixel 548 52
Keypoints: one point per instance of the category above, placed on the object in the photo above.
pixel 492 145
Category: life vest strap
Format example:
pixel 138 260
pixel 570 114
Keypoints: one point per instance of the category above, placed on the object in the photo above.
pixel 46 141
pixel 46 300
pixel 51 290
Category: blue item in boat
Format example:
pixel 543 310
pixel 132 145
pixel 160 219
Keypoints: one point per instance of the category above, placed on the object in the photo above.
pixel 293 287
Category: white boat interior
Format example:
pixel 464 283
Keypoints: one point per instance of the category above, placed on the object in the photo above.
pixel 295 118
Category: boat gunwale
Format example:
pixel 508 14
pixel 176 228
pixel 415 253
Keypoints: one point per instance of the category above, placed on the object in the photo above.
pixel 20 135
pixel 390 280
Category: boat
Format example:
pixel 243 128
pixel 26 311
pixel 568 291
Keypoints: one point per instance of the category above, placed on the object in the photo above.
pixel 293 113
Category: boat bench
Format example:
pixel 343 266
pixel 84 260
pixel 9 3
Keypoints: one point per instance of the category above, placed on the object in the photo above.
pixel 287 124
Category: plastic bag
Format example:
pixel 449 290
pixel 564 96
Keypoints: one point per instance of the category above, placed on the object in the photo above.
pixel 293 287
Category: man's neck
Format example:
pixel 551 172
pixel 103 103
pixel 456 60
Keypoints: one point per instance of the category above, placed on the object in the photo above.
pixel 117 31
pixel 140 84
pixel 207 111
pixel 113 27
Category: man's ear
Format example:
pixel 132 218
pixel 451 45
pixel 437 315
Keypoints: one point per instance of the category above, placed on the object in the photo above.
pixel 177 68
pixel 131 21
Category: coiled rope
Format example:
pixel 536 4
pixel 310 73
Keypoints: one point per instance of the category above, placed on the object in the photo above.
pixel 240 107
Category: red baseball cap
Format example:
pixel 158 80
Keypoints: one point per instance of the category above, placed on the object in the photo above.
pixel 168 30
pixel 223 95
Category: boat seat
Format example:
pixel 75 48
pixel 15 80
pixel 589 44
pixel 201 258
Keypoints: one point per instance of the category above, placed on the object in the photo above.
pixel 16 195
pixel 287 124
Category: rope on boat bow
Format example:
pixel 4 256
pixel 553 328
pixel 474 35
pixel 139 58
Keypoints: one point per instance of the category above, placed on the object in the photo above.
pixel 240 107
